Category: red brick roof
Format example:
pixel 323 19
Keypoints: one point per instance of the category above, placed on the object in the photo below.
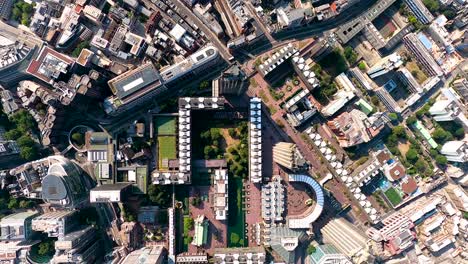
pixel 409 185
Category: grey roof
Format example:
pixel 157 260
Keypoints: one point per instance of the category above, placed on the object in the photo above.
pixel 53 188
pixel 141 77
pixel 112 187
pixel 281 232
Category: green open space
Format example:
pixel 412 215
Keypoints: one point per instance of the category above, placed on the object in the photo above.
pixel 393 196
pixel 166 149
pixel 165 125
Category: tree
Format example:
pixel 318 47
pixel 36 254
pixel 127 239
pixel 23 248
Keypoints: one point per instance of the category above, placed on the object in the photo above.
pixel 420 165
pixel 362 66
pixel 311 249
pixel 196 201
pixel 78 139
pixel 393 116
pixel 232 132
pixel 82 45
pixel 26 204
pixel 13 204
pixel 29 153
pixel 400 132
pixel 45 248
pixel 432 5
pixel 235 238
pixel 412 155
pixel 204 85
pixel 25 141
pixel 159 195
pixel 441 160
pixel 375 100
pixel 350 55
pixel 411 120
pixel 13 134
pixel 441 136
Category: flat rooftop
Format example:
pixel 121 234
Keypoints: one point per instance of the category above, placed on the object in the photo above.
pixel 48 64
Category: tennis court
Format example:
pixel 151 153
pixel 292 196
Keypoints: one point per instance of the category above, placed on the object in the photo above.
pixel 166 150
pixel 165 125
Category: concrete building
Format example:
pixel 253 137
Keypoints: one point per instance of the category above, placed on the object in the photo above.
pixel 395 232
pixel 143 83
pixel 254 255
pixel 8 101
pixel 299 108
pixel 287 155
pixel 220 197
pixel 385 65
pixel 110 193
pixel 132 235
pixel 354 127
pixel 420 11
pixel 233 81
pixel 374 37
pixel 15 251
pixel 461 86
pixel 293 17
pixel 192 258
pixel 286 242
pixel 55 223
pixel 420 52
pixel 455 151
pixel 278 58
pixel 17 226
pixel 388 100
pixel 458 196
pixel 408 79
pixel 200 236
pixel 147 255
pixel 448 107
pixel 5 9
pixel 347 239
pixel 273 201
pixel 327 254
pixel 80 247
pixel 49 65
pixel 255 140
pixel 345 94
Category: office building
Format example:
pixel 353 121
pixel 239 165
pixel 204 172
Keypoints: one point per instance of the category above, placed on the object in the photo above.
pixel 347 239
pixel 395 232
pixel 461 86
pixel 458 196
pixel 8 101
pixel 15 251
pixel 5 9
pixel 254 255
pixel 255 140
pixel 98 146
pixel 55 223
pixel 420 11
pixel 285 242
pixel 374 37
pixel 388 100
pixel 147 255
pixel 110 193
pixel 220 196
pixel 49 65
pixel 277 59
pixel 273 201
pixel 131 234
pixel 354 127
pixel 80 247
pixel 327 254
pixel 137 86
pixel 418 50
pixel 385 65
pixel 300 108
pixel 233 81
pixel 65 184
pixel 361 78
pixel 17 226
pixel 408 79
pixel 287 155
pixel 345 94
pixel 448 108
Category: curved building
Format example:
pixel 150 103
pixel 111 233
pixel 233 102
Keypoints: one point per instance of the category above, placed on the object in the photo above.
pixel 64 185
pixel 305 220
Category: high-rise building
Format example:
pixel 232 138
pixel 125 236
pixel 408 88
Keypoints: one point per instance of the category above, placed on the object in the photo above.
pixel 448 108
pixel 395 232
pixel 55 224
pixel 5 9
pixel 420 11
pixel 347 239
pixel 461 86
pixel 287 155
pixel 407 78
pixel 255 140
pixel 385 65
pixel 414 45
pixel 17 226
pixel 80 247
pixel 455 151
pixel 458 197
pixel 232 82
pixel 327 254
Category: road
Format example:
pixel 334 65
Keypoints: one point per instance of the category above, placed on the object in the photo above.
pixel 185 11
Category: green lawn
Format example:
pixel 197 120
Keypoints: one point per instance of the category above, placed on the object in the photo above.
pixel 165 125
pixel 393 196
pixel 166 149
